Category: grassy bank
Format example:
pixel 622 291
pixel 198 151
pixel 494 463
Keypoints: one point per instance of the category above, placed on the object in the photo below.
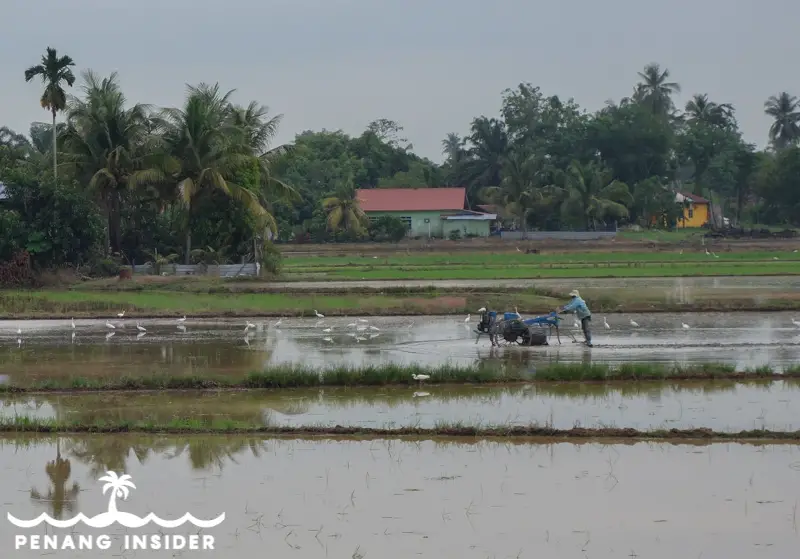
pixel 218 426
pixel 518 265
pixel 231 302
pixel 283 377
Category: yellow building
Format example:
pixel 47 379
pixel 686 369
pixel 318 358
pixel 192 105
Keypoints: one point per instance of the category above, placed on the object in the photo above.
pixel 696 213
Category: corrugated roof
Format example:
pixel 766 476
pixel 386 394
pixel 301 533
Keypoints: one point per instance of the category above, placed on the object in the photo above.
pixel 411 199
pixel 692 198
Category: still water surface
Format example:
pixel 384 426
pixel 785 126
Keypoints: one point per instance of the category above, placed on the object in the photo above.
pixel 392 499
pixel 722 406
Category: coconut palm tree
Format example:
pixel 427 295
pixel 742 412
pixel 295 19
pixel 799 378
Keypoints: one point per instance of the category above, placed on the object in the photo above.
pixel 700 109
pixel 488 144
pixel 590 188
pixel 654 90
pixel 106 145
pixel 54 71
pixel 522 187
pixel 209 150
pixel 783 107
pixel 453 148
pixel 344 211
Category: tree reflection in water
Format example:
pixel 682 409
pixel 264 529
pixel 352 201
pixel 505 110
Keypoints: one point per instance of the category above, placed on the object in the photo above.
pixel 59 496
pixel 111 452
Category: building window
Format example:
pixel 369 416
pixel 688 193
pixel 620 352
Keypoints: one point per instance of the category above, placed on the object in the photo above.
pixel 691 213
pixel 407 221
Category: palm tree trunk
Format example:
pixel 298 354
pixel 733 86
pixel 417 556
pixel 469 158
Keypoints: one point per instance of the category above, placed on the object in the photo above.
pixel 55 160
pixel 114 224
pixel 188 245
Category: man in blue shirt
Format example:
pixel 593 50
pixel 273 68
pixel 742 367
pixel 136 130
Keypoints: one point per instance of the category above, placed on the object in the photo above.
pixel 578 306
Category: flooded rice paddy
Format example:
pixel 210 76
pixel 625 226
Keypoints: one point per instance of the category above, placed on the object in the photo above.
pixel 391 499
pixel 52 348
pixel 721 406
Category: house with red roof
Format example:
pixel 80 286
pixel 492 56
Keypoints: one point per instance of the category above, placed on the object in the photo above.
pixel 427 212
pixel 696 209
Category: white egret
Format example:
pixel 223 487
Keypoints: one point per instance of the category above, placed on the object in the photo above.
pixel 420 378
pixel 634 323
pixel 374 328
pixel 328 329
pixel 140 328
pixel 796 322
pixel 73 323
pixel 605 323
pixel 19 330
pixel 468 317
pixel 319 314
pixel 280 321
pixel 182 319
pixel 482 309
pixel 684 326
pixel 248 325
pixel 109 325
pixel 328 339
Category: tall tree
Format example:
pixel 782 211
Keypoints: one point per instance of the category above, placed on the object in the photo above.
pixel 344 211
pixel 105 143
pixel 785 131
pixel 209 150
pixel 488 145
pixel 655 90
pixel 595 194
pixel 54 71
pixel 700 109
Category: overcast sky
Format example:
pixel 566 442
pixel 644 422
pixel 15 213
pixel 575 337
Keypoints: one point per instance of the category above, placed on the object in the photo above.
pixel 431 65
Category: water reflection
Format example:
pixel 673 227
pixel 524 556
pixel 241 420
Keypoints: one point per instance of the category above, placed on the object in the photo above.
pixel 221 347
pixel 722 405
pixel 399 499
pixel 60 495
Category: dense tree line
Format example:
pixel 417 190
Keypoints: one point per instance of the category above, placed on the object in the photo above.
pixel 117 182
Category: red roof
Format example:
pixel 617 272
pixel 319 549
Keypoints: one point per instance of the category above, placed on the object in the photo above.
pixel 694 198
pixel 411 199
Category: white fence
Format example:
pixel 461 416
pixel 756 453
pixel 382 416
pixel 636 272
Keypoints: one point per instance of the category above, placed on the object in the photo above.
pixel 224 271
pixel 559 235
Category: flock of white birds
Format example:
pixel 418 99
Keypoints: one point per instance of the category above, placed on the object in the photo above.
pixel 359 329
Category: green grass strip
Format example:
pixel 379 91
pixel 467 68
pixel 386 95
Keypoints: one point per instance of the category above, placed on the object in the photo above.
pixel 222 426
pixel 291 376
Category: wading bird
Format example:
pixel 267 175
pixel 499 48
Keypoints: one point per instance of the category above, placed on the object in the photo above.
pixel 140 328
pixel 109 325
pixel 634 323
pixel 319 314
pixel 605 323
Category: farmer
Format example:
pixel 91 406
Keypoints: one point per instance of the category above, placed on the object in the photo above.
pixel 578 306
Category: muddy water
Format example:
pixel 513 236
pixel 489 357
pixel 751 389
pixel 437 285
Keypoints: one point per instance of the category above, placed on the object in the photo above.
pixel 722 406
pixel 49 348
pixel 318 499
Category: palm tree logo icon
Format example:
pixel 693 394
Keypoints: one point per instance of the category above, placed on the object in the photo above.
pixel 118 487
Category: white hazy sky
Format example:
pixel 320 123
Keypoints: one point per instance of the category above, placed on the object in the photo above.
pixel 431 65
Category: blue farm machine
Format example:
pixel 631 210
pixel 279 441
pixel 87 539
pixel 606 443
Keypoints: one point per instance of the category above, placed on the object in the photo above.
pixel 511 328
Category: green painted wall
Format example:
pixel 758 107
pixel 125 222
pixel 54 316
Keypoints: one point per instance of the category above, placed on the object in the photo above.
pixel 418 226
pixel 438 227
pixel 466 228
